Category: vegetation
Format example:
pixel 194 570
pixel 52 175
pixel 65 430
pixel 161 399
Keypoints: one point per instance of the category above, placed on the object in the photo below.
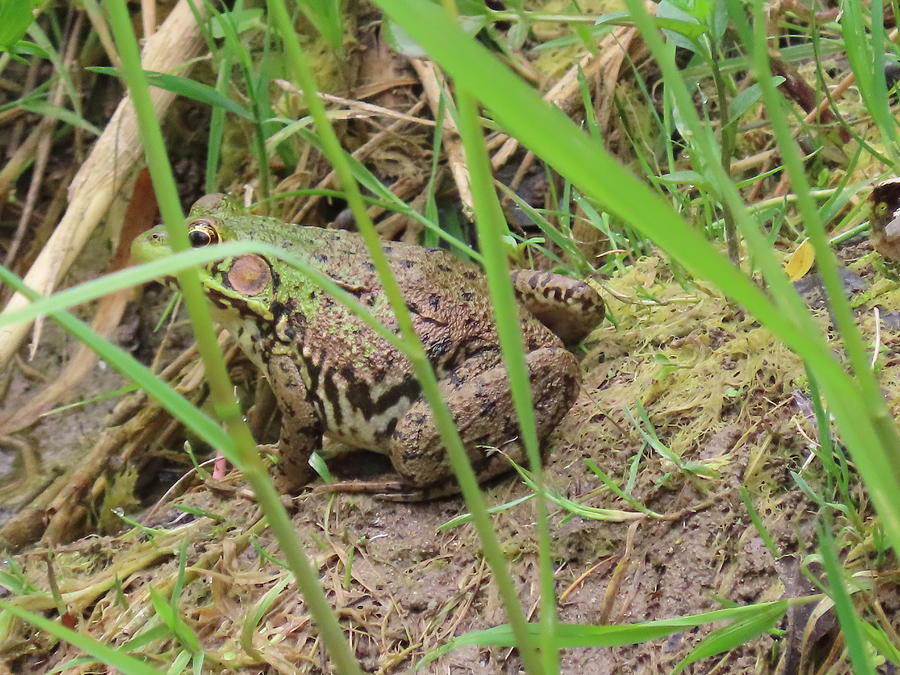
pixel 705 163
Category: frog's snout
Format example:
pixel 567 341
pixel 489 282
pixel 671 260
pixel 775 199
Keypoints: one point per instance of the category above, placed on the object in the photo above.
pixel 149 245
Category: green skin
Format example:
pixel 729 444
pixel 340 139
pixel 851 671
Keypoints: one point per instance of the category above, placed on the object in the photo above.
pixel 334 376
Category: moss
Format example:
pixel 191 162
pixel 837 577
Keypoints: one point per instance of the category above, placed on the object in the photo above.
pixel 119 496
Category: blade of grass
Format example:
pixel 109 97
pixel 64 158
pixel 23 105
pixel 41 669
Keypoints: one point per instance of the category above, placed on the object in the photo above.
pixel 217 127
pixel 728 637
pixel 491 226
pixel 259 104
pixel 584 635
pixel 555 138
pixel 183 86
pixel 843 604
pixel 616 490
pixel 108 655
pixel 865 52
pixel 444 422
pixel 225 405
pixel 325 15
pixel 464 518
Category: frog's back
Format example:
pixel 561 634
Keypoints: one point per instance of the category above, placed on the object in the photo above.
pixel 446 296
pixel 358 381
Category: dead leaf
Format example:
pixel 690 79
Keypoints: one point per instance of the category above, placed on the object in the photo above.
pixel 800 261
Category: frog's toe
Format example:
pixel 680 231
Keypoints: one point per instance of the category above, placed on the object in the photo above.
pixel 571 309
pixel 388 490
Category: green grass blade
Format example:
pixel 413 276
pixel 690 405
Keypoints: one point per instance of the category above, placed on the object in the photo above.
pixel 217 128
pixel 325 15
pixel 456 453
pixel 46 109
pixel 186 87
pixel 174 622
pixel 222 395
pixel 616 490
pixel 464 518
pixel 865 52
pixel 843 604
pixel 15 18
pixel 584 635
pixel 113 657
pixel 734 635
pixel 881 642
pixel 492 227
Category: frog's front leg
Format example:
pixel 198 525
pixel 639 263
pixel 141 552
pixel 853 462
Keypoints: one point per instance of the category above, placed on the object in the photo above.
pixel 301 428
pixel 481 405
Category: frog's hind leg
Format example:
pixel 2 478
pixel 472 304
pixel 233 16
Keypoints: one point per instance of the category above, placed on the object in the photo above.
pixel 482 408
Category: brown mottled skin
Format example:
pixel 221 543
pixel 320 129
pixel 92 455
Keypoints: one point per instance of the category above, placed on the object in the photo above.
pixel 333 375
pixel 885 218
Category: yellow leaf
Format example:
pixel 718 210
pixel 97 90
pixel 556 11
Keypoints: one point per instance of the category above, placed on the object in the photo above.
pixel 800 261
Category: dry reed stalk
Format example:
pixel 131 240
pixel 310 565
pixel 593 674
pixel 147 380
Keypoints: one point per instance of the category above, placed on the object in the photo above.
pixel 106 170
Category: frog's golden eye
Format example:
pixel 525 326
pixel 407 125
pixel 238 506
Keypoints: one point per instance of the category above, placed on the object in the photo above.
pixel 202 233
pixel 881 208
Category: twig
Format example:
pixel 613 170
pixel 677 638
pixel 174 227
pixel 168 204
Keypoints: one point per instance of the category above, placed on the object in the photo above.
pixel 360 153
pixel 612 589
pixel 565 92
pixel 434 84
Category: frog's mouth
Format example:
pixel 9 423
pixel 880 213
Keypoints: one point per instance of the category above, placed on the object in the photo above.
pixel 153 245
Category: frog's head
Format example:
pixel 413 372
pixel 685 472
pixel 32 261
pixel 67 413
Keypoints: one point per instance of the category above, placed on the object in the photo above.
pixel 245 283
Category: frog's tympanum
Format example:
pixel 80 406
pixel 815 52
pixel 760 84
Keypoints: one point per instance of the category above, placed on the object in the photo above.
pixel 884 220
pixel 333 375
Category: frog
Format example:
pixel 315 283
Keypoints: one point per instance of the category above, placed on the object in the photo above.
pixel 335 377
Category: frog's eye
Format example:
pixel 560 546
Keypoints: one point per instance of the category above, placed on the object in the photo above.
pixel 202 233
pixel 881 208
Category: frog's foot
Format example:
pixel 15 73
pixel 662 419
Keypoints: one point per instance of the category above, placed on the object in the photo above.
pixel 497 464
pixel 568 307
pixel 287 474
pixel 484 414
